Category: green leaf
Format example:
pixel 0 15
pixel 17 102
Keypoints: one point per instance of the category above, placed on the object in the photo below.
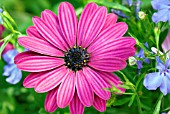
pixel 158 106
pixel 132 100
pixel 6 40
pixel 111 5
pixel 121 102
pixel 42 111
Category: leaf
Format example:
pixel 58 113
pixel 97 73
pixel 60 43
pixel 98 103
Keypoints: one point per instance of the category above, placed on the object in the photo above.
pixel 42 111
pixel 158 105
pixel 121 102
pixel 132 100
pixel 111 5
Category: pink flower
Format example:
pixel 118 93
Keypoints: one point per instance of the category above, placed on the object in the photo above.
pixel 166 46
pixel 73 61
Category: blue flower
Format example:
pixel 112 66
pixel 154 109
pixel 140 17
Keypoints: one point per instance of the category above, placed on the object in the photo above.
pixel 137 8
pixel 163 13
pixel 119 13
pixel 142 56
pixel 159 79
pixel 129 2
pixel 10 70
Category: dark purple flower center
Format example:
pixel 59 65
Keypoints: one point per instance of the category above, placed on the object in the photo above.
pixel 76 58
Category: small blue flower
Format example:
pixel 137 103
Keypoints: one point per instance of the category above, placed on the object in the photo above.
pixel 10 70
pixel 142 56
pixel 137 8
pixel 163 7
pixel 119 13
pixel 129 2
pixel 159 79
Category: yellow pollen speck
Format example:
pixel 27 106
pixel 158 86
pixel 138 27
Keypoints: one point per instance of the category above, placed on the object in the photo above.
pixel 74 46
pixel 85 61
pixel 77 65
pixel 68 63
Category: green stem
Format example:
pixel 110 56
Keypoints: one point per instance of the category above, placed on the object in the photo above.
pixel 158 106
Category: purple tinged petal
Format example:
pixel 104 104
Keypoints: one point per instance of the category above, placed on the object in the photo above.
pixel 153 80
pixel 119 13
pixel 147 60
pixel 165 86
pixel 130 2
pixel 15 76
pixel 139 63
pixel 8 69
pixel 161 15
pixel 9 56
pixel 167 64
pixel 160 4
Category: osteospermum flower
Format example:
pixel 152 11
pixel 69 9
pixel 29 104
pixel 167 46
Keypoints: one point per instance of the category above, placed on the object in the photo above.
pixel 163 10
pixel 73 60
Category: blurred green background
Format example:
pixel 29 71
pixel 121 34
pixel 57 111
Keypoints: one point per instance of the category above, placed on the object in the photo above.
pixel 15 99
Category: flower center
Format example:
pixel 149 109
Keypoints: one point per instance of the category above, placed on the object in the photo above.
pixel 76 58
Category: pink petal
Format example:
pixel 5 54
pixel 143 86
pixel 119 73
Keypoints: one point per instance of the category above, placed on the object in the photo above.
pixel 51 100
pixel 166 44
pixel 24 54
pixel 7 48
pixel 93 26
pixel 122 52
pixel 39 63
pixel 48 33
pixel 32 31
pixel 107 63
pixel 66 90
pixel 68 22
pixel 97 83
pixel 2 28
pixel 120 47
pixel 32 79
pixel 110 20
pixel 108 35
pixel 99 104
pixel 112 80
pixel 86 14
pixel 52 21
pixel 84 89
pixel 39 46
pixel 76 107
pixel 51 79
